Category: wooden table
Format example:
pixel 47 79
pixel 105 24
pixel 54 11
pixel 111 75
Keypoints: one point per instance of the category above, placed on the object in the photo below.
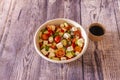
pixel 19 19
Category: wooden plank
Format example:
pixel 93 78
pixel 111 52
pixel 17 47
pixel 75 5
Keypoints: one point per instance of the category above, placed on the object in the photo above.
pixel 100 59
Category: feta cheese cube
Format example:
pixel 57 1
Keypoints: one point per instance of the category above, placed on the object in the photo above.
pixel 70 48
pixel 76 53
pixel 66 35
pixel 59 45
pixel 61 25
pixel 74 29
pixel 44 51
pixel 63 58
pixel 51 50
pixel 51 54
pixel 45 42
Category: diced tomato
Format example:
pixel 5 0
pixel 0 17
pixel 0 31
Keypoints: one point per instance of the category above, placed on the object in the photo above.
pixel 49 27
pixel 78 48
pixel 40 44
pixel 60 52
pixel 45 36
pixel 54 47
pixel 62 30
pixel 57 39
pixel 77 33
pixel 73 45
pixel 50 32
pixel 73 40
pixel 69 27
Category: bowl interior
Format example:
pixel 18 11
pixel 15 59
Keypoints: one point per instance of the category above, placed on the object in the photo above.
pixel 59 21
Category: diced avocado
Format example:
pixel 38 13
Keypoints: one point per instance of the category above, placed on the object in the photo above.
pixel 64 42
pixel 69 54
pixel 55 58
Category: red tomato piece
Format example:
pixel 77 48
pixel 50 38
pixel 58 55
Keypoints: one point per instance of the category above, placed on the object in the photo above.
pixel 62 30
pixel 73 45
pixel 54 47
pixel 68 27
pixel 50 32
pixel 40 44
pixel 73 40
pixel 45 36
pixel 57 39
pixel 77 33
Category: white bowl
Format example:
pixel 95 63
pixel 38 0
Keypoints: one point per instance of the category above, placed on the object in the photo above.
pixel 59 21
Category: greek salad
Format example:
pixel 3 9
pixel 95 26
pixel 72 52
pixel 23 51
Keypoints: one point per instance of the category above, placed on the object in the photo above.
pixel 60 42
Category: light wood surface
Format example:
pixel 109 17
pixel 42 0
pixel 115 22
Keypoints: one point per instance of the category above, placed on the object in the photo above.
pixel 19 19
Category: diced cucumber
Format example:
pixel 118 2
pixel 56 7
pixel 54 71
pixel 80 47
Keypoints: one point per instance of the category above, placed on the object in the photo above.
pixel 43 30
pixel 40 34
pixel 40 40
pixel 55 58
pixel 46 32
pixel 69 54
pixel 56 34
pixel 61 25
pixel 61 34
pixel 50 39
pixel 63 58
pixel 80 42
pixel 64 42
pixel 66 25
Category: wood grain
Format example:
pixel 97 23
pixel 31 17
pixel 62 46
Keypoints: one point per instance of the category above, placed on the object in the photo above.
pixel 19 19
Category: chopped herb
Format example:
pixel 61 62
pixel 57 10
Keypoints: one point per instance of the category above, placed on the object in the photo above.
pixel 46 48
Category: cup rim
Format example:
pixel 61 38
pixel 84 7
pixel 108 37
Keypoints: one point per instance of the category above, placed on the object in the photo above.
pixel 100 25
pixel 64 61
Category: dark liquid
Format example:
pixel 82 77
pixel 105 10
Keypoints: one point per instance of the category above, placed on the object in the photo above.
pixel 96 30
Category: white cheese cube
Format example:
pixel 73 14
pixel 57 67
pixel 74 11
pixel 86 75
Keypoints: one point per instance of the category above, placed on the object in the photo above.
pixel 76 53
pixel 61 25
pixel 51 50
pixel 70 48
pixel 51 54
pixel 63 58
pixel 74 29
pixel 66 35
pixel 44 51
pixel 45 42
pixel 59 45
